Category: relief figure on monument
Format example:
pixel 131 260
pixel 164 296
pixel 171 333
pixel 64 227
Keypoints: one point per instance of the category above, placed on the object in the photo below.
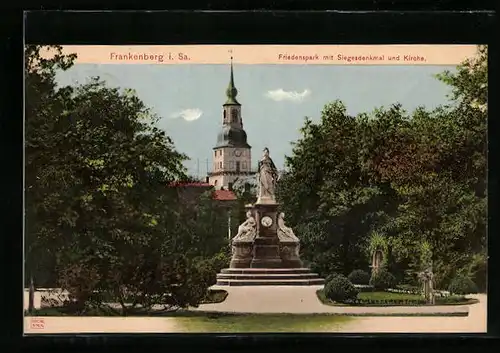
pixel 247 230
pixel 285 233
pixel 268 176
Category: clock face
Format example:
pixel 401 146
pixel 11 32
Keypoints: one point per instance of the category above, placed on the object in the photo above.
pixel 237 153
pixel 266 221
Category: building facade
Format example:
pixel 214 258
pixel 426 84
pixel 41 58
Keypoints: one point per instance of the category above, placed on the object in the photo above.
pixel 232 155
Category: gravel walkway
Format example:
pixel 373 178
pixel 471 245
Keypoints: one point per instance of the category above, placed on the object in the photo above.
pixel 303 300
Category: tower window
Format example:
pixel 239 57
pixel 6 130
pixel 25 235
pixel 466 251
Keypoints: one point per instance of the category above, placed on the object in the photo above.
pixel 244 165
pixel 231 164
pixel 220 165
pixel 225 117
pixel 234 115
pixel 215 154
pixel 237 166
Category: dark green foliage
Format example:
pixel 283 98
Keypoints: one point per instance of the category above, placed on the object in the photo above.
pixel 462 285
pixel 480 277
pixel 339 289
pixel 101 219
pixel 359 277
pixel 412 177
pixel 382 280
pixel 331 276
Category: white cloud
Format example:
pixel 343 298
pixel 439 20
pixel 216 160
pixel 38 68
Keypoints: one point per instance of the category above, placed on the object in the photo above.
pixel 292 96
pixel 187 114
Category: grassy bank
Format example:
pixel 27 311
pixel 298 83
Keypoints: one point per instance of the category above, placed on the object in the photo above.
pixel 396 299
pixel 265 323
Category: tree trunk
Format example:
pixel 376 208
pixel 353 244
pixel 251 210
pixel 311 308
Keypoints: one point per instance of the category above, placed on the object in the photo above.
pixel 31 299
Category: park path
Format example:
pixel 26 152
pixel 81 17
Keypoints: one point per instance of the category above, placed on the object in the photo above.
pixel 303 300
pixel 476 322
pixel 280 299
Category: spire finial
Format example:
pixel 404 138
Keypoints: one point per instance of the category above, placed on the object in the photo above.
pixel 231 91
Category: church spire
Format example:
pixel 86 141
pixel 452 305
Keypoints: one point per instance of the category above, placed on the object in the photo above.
pixel 231 91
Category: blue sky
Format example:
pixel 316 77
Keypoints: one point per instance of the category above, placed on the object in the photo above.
pixel 275 98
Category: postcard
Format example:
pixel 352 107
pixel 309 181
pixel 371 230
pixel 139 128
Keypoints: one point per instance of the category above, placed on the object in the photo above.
pixel 255 188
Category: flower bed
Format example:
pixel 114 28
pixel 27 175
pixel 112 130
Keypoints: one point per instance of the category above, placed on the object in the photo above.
pixel 396 299
pixel 364 287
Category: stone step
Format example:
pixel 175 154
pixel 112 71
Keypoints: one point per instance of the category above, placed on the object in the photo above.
pixel 272 276
pixel 265 270
pixel 270 282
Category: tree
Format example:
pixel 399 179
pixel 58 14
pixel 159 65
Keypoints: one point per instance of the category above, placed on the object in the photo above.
pixel 327 194
pixel 45 170
pixel 100 215
pixel 440 177
pixel 245 189
pixel 409 178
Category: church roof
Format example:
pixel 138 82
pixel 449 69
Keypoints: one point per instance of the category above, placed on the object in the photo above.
pixel 224 195
pixel 188 184
pixel 219 195
pixel 231 136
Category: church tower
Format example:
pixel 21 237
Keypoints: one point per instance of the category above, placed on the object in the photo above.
pixel 232 153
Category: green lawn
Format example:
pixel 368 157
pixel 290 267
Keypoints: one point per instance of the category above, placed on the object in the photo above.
pixel 192 321
pixel 388 296
pixel 396 299
pixel 263 323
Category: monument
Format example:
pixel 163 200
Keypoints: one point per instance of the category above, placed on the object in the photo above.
pixel 265 251
pixel 377 261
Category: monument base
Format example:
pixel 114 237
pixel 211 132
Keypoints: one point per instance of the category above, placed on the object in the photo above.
pixel 268 277
pixel 270 253
pixel 241 254
pixel 266 253
pixel 289 253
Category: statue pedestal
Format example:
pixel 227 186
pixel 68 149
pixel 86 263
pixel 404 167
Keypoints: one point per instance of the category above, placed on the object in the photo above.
pixel 289 253
pixel 241 254
pixel 266 247
pixel 265 251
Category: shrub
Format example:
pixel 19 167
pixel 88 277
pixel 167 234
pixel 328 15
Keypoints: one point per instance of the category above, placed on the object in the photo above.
pixel 340 289
pixel 331 276
pixel 462 285
pixel 382 280
pixel 452 299
pixel 359 277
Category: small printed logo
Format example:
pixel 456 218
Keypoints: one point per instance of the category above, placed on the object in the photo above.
pixel 37 323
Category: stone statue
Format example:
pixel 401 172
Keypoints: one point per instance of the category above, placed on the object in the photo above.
pixel 285 233
pixel 289 244
pixel 247 230
pixel 268 176
pixel 377 260
pixel 427 279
